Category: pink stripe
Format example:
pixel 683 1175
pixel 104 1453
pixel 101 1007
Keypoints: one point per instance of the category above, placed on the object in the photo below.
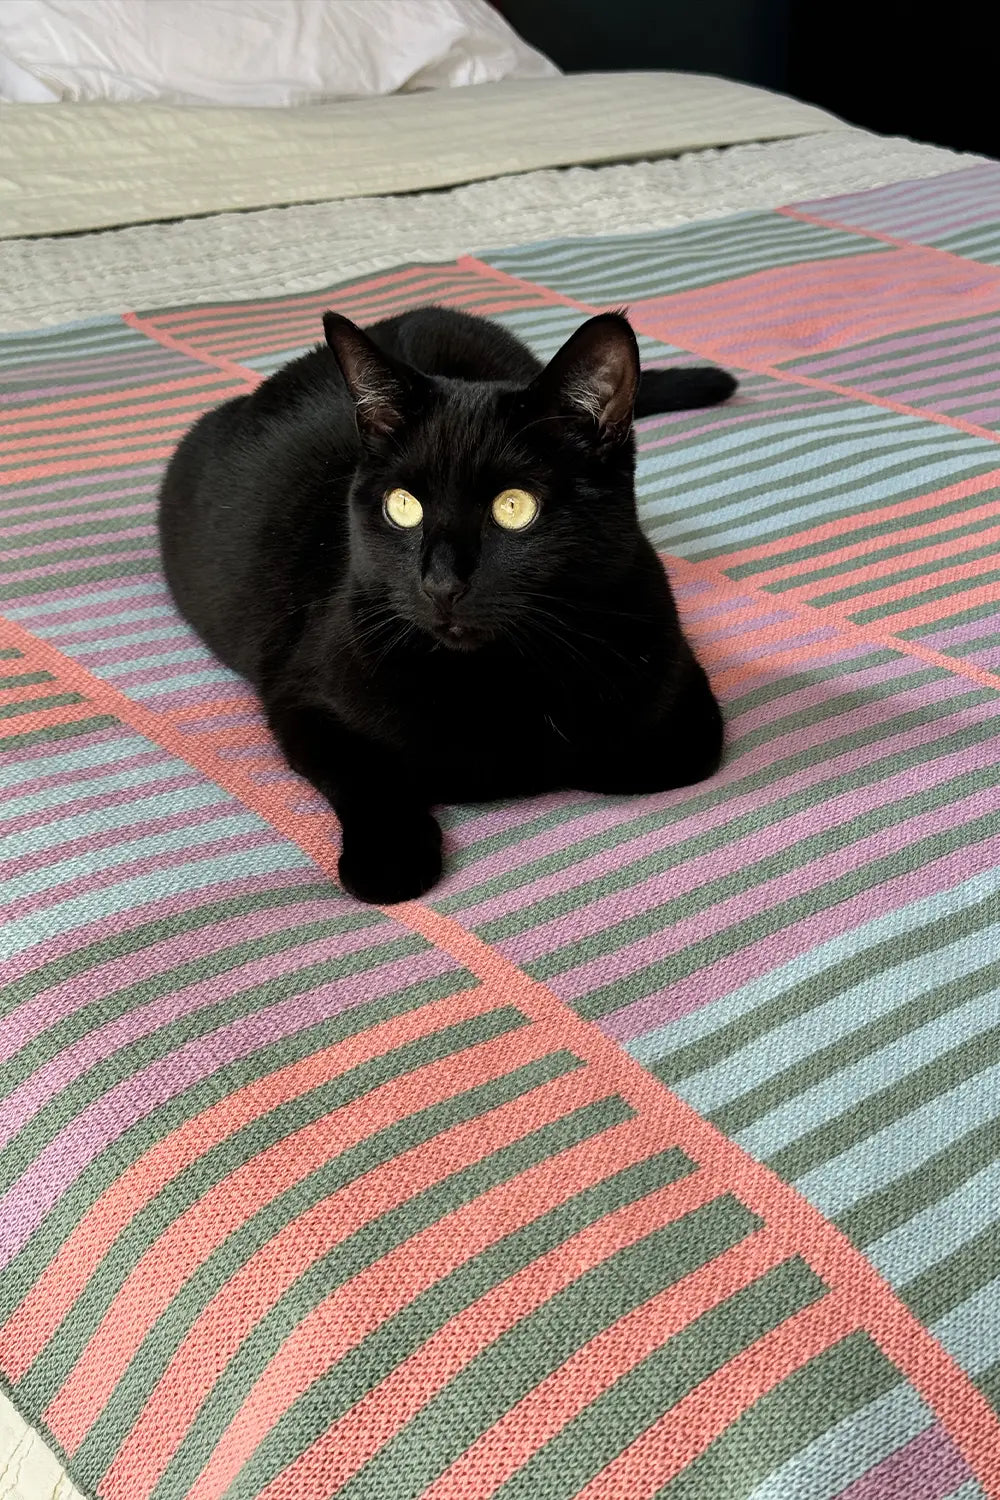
pixel 73 778
pixel 74 611
pixel 191 697
pixel 26 1203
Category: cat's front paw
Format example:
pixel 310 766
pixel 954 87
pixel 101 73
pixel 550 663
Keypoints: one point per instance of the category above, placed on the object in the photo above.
pixel 385 864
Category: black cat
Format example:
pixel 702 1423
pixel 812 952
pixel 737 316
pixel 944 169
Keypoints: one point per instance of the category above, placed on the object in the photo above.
pixel 421 548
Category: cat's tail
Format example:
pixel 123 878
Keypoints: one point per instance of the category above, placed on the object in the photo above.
pixel 681 389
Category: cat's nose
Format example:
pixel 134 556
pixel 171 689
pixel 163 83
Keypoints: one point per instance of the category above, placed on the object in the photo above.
pixel 444 592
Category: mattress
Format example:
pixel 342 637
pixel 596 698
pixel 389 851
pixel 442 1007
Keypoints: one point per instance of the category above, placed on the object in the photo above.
pixel 654 1154
pixel 66 168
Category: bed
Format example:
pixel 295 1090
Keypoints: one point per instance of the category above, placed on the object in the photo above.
pixel 656 1152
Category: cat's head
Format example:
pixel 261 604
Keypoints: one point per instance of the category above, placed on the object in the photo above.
pixel 480 511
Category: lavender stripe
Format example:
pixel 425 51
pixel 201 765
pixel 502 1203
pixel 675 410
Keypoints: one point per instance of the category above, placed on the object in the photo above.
pixel 773 838
pixel 609 815
pixel 929 1467
pixel 60 1071
pixel 50 1006
pixel 731 973
pixel 99 929
pixel 27 1201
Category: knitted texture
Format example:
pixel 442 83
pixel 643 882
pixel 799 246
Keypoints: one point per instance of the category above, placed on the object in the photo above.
pixel 656 1155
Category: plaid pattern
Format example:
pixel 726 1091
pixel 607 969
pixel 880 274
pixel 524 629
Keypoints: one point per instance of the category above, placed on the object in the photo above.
pixel 655 1156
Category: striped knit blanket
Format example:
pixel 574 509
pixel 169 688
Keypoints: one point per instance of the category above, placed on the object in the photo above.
pixel 658 1153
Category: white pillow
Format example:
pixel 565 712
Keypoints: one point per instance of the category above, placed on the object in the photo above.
pixel 252 52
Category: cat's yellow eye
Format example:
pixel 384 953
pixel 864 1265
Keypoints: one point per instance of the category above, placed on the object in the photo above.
pixel 403 509
pixel 514 509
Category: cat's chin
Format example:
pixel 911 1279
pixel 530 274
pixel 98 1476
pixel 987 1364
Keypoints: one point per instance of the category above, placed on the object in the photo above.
pixel 458 637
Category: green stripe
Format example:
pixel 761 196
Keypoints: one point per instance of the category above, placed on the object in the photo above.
pixel 968 649
pixel 797 856
pixel 132 1057
pixel 90 500
pixel 919 569
pixel 105 1169
pixel 194 1183
pixel 965 465
pixel 109 1005
pixel 953 589
pixel 371 1360
pixel 586 1445
pixel 874 531
pixel 9 654
pixel 819 989
pixel 963 617
pixel 121 944
pixel 766 778
pixel 36 705
pixel 889 1207
pixel 362 1248
pixel 62 581
pixel 522 1357
pixel 29 552
pixel 33 536
pixel 25 679
pixel 869 1037
pixel 784 1421
pixel 652 977
pixel 866 1116
pixel 954 1278
pixel 58 732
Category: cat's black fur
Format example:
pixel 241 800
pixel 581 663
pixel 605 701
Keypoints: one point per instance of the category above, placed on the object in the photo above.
pixel 455 661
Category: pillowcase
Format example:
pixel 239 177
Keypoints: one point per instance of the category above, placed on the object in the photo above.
pixel 252 52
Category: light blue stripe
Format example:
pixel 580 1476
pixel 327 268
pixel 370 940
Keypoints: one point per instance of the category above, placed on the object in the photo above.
pixel 889 446
pixel 169 630
pixel 140 890
pixel 156 659
pixel 124 617
pixel 971 1331
pixel 848 1450
pixel 83 865
pixel 60 330
pixel 876 492
pixel 94 786
pixel 679 247
pixel 178 684
pixel 133 812
pixel 13 773
pixel 853 1010
pixel 686 466
pixel 758 992
pixel 940 1229
pixel 903 1146
pixel 850 1087
pixel 153 587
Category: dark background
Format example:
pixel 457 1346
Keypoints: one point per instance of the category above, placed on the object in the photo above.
pixel 928 72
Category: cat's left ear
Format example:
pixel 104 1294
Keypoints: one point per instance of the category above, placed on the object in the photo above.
pixel 382 392
pixel 593 379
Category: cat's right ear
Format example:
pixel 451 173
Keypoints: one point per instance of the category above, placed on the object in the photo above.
pixel 381 392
